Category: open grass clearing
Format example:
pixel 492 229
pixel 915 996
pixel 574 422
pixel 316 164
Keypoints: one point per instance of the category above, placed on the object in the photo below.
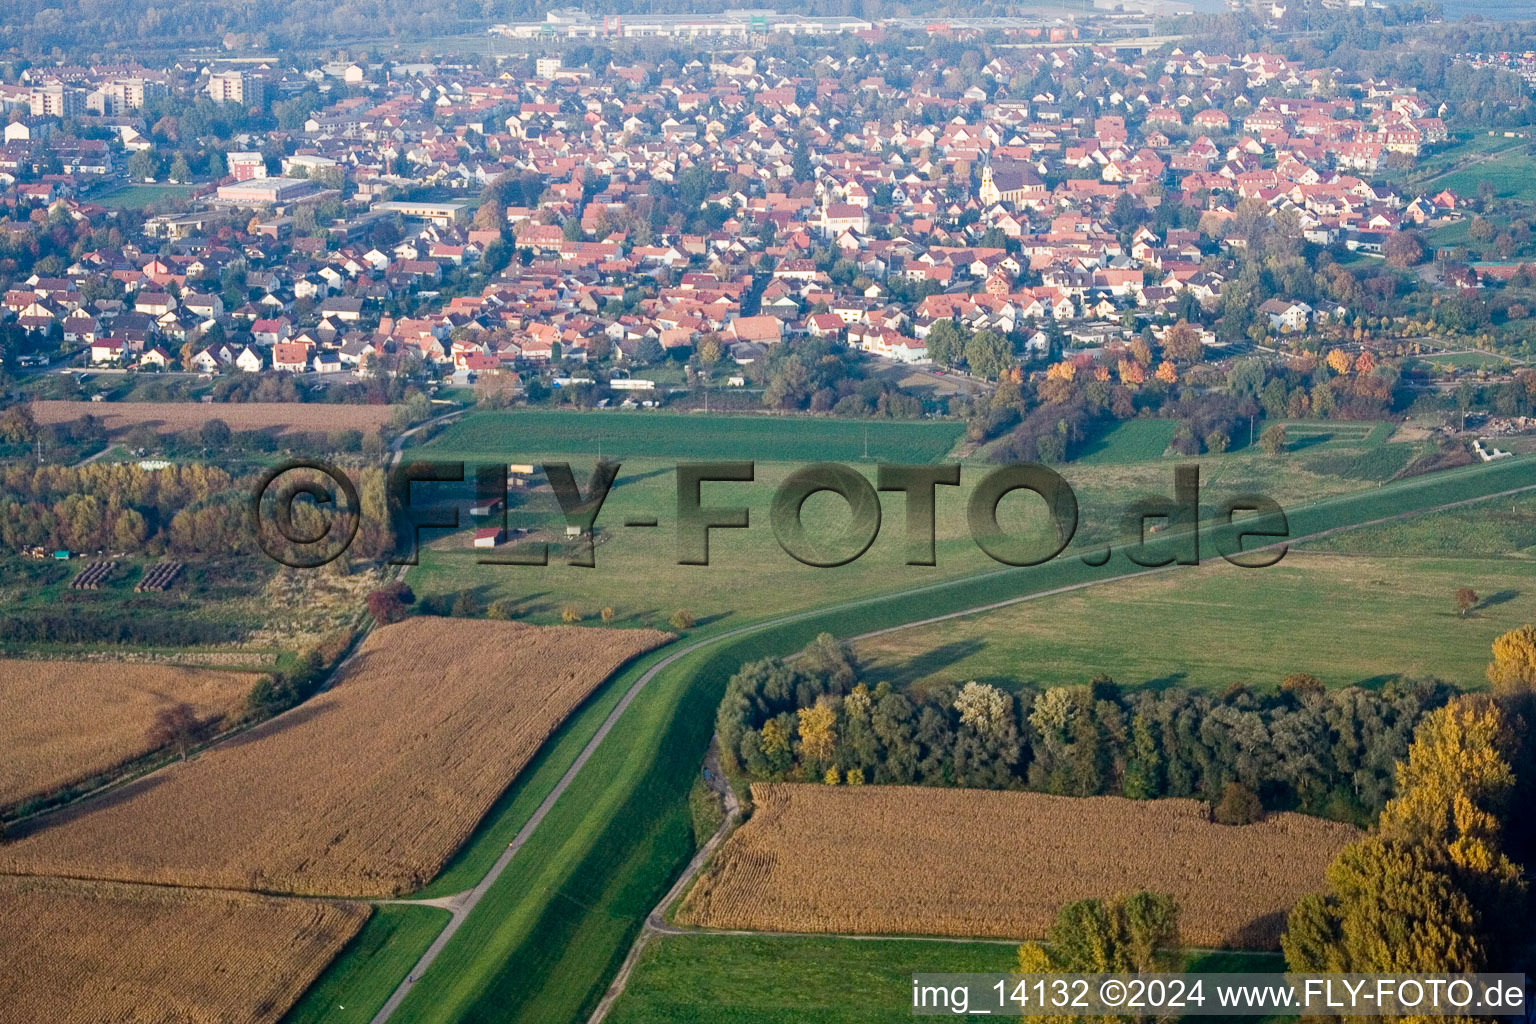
pixel 1509 172
pixel 363 974
pixel 1132 441
pixel 750 575
pixel 1342 619
pixel 1492 529
pixel 705 978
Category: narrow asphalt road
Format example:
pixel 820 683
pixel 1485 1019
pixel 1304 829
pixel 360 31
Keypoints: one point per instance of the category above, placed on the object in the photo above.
pixel 462 908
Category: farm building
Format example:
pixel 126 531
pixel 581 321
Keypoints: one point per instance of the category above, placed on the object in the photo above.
pixel 489 536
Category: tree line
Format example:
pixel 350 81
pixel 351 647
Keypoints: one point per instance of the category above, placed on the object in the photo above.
pixel 1332 753
pixel 191 509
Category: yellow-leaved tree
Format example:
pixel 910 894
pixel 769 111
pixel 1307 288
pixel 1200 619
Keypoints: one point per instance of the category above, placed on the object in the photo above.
pixel 1513 668
pixel 818 741
pixel 1430 889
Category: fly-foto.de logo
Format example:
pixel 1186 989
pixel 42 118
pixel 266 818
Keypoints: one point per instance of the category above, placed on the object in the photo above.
pixel 305 514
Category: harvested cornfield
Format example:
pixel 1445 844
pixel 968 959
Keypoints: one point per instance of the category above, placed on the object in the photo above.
pixel 69 721
pixel 83 952
pixel 170 417
pixel 365 789
pixel 904 860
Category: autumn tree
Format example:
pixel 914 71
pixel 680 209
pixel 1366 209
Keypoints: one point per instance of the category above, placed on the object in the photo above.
pixel 1430 889
pixel 1304 686
pixel 1513 669
pixel 1339 361
pixel 1403 249
pixel 175 726
pixel 818 738
pixel 491 216
pixel 387 604
pixel 17 425
pixel 681 619
pixel 1183 342
pixel 1466 600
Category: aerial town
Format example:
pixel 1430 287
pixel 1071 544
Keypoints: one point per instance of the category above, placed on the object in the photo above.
pixel 494 217
pixel 661 514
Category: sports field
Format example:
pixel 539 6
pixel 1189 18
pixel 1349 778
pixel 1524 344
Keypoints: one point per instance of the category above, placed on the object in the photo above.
pixel 136 197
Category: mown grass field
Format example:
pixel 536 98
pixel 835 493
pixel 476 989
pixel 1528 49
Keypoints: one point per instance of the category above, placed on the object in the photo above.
pixel 520 435
pixel 637 572
pixel 543 944
pixel 1131 441
pixel 731 979
pixel 364 973
pixel 1509 172
pixel 1342 619
pixel 137 197
pixel 1495 528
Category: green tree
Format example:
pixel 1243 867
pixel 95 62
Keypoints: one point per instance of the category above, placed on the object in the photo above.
pixel 945 345
pixel 1137 933
pixel 988 354
pixel 1273 440
pixel 143 165
pixel 180 172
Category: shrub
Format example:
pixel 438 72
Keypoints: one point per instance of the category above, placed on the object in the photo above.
pixel 385 606
pixel 570 613
pixel 681 619
pixel 1239 805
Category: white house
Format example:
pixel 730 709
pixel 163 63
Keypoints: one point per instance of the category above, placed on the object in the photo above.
pixel 1287 316
pixel 249 360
